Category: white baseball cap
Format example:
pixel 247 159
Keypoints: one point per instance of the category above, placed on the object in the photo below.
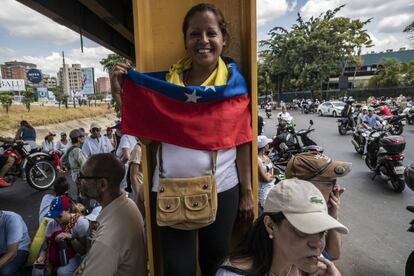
pixel 303 206
pixel 262 141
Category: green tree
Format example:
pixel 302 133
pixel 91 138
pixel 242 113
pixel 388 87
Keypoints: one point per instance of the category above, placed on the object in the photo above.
pixel 410 30
pixel 388 74
pixel 28 97
pixel 304 57
pixel 407 71
pixel 60 96
pixel 6 99
pixel 111 60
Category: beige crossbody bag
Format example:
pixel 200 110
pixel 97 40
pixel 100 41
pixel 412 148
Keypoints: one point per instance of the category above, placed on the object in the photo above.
pixel 187 203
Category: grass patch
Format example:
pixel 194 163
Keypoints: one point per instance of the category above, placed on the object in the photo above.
pixel 44 115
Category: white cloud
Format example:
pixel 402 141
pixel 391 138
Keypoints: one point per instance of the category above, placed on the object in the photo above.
pixel 268 10
pixel 359 9
pixel 394 23
pixel 389 18
pixel 21 21
pixel 50 64
pixel 385 42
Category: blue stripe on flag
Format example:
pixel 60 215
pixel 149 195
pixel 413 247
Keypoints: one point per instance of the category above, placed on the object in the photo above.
pixel 155 81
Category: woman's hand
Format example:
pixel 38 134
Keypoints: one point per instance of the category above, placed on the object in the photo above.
pixel 117 75
pixel 246 206
pixel 325 268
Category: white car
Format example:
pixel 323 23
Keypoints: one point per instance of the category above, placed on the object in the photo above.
pixel 332 108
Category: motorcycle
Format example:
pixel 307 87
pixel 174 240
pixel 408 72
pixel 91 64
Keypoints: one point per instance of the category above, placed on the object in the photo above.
pixel 359 137
pixel 409 112
pixel 290 142
pixel 268 113
pixel 384 157
pixel 39 169
pixel 397 123
pixel 345 125
pixel 409 266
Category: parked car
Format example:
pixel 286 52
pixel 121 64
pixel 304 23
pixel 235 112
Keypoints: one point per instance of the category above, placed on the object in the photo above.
pixel 332 108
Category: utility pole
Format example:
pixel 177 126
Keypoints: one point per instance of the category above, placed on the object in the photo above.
pixel 65 77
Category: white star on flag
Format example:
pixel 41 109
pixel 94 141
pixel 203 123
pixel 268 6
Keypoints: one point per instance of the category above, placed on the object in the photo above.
pixel 212 87
pixel 192 98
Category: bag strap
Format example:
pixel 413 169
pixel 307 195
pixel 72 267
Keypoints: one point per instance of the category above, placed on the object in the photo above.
pixel 213 161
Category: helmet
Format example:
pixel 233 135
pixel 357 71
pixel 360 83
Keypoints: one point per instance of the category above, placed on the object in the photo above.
pixel 282 124
pixel 409 176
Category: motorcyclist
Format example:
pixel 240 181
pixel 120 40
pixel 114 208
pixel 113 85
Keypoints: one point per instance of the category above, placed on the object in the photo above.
pixel 6 162
pixel 371 120
pixel 347 111
pixel 385 110
pixel 268 109
pixel 284 115
pixel 364 111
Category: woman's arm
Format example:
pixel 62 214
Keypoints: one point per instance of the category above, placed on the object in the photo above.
pixel 243 161
pixel 264 176
pixel 18 134
pixel 117 77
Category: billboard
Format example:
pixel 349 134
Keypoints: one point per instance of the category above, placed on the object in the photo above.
pixel 88 81
pixel 34 75
pixel 12 85
pixel 42 94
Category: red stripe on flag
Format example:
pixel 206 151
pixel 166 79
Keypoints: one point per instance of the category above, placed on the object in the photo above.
pixel 203 126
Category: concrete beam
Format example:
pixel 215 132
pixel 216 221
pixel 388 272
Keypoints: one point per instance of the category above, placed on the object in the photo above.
pixel 76 17
pixel 106 11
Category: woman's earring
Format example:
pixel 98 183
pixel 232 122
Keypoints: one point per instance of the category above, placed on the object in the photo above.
pixel 271 236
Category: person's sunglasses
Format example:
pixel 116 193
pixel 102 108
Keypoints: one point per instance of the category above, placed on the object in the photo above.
pixel 96 130
pixel 81 176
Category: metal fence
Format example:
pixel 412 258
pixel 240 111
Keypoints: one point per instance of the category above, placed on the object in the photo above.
pixel 358 94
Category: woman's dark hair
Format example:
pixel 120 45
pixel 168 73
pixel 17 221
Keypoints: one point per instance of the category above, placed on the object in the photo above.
pixel 257 246
pixel 205 7
pixel 61 186
pixel 25 123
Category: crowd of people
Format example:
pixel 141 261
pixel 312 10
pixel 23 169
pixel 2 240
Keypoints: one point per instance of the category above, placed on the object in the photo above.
pixel 101 231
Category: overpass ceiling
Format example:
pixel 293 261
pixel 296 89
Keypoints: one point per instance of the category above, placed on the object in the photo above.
pixel 108 23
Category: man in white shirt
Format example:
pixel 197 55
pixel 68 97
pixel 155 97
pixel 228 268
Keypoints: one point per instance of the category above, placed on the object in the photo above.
pixel 123 152
pixel 284 115
pixel 95 143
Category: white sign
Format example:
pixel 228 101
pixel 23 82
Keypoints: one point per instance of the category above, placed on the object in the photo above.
pixel 12 85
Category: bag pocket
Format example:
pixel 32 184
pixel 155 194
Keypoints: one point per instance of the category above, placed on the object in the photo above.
pixel 169 211
pixel 197 208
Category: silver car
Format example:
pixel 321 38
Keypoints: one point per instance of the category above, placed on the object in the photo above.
pixel 332 108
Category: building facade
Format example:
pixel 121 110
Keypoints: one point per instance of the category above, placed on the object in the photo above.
pixel 16 70
pixel 103 85
pixel 74 75
pixel 370 63
pixel 48 81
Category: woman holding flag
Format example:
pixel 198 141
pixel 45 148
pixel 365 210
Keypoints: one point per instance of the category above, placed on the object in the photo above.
pixel 200 112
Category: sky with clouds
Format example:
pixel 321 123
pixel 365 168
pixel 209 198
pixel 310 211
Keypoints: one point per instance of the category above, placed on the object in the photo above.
pixel 26 35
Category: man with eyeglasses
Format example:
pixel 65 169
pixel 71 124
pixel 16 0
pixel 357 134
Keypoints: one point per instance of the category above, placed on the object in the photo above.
pixel 323 172
pixel 120 233
pixel 96 143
